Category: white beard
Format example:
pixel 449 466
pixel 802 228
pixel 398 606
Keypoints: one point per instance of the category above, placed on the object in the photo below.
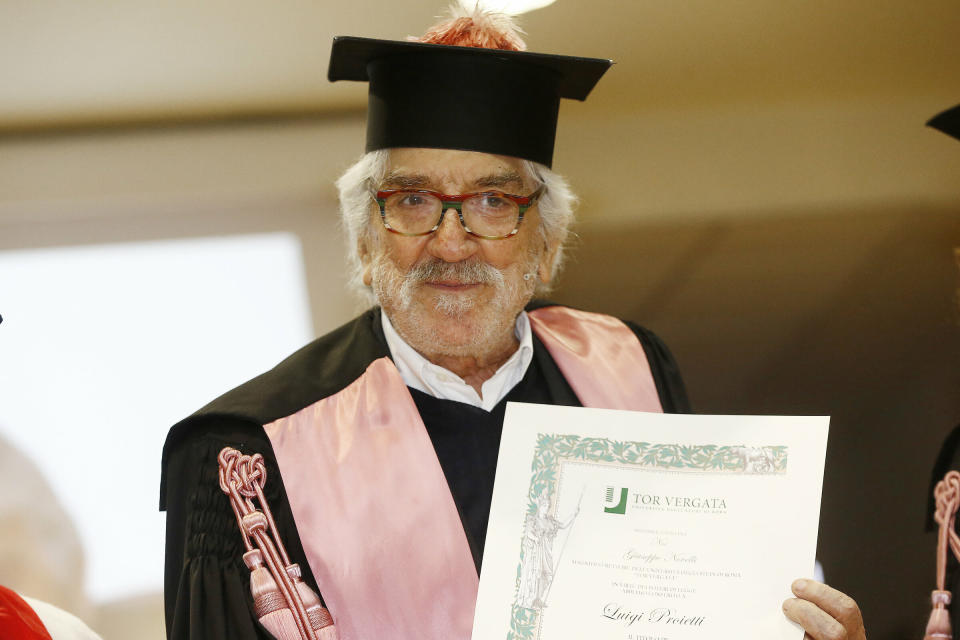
pixel 421 323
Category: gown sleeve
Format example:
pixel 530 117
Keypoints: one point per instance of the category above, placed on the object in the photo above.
pixel 206 584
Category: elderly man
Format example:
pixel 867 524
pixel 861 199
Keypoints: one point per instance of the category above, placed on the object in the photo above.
pixel 380 439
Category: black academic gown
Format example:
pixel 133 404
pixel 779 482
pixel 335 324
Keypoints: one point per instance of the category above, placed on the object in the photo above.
pixel 207 594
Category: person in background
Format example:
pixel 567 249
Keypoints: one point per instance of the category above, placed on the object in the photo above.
pixel 948 459
pixel 40 554
pixel 24 618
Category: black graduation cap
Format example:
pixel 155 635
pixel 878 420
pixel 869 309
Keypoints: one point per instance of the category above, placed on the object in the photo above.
pixel 947 121
pixel 441 96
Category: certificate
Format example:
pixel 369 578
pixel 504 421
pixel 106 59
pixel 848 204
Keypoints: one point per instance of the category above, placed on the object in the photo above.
pixel 623 525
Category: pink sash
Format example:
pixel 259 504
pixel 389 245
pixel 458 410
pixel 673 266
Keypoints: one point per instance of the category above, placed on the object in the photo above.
pixel 378 525
pixel 600 357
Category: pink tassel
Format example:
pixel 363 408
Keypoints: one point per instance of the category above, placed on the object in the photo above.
pixel 281 625
pixel 269 605
pixel 328 633
pixel 939 626
pixel 319 616
pixel 266 594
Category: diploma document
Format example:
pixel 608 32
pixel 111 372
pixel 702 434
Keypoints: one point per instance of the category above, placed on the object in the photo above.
pixel 623 525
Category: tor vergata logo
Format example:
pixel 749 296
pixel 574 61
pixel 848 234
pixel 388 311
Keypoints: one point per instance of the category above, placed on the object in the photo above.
pixel 617 507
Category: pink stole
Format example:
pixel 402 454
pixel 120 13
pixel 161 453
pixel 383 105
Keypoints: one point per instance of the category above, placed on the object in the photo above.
pixel 600 357
pixel 378 524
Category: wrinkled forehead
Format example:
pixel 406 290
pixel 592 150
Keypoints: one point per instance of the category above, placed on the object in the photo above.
pixel 453 171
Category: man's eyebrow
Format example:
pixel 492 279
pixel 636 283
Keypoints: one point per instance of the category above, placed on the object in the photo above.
pixel 510 179
pixel 500 180
pixel 405 181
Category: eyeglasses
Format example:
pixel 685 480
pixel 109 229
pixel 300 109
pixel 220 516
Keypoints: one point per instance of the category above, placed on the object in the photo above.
pixel 490 214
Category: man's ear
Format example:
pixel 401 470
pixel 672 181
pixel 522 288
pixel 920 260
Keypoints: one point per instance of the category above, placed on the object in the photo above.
pixel 363 252
pixel 545 266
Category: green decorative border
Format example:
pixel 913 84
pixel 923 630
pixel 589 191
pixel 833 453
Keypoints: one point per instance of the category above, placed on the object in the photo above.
pixel 554 449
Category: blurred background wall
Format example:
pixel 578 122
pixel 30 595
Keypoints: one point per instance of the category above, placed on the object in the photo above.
pixel 756 185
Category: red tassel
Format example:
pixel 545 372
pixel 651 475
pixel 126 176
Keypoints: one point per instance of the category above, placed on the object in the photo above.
pixel 476 28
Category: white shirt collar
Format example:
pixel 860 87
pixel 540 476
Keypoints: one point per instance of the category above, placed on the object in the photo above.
pixel 423 375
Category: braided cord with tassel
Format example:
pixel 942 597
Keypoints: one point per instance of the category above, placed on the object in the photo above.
pixel 947 496
pixel 284 604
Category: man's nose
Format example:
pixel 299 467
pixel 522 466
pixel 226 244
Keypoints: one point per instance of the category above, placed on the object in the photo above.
pixel 451 242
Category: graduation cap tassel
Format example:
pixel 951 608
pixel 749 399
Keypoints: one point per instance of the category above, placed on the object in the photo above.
pixel 472 25
pixel 947 496
pixel 283 603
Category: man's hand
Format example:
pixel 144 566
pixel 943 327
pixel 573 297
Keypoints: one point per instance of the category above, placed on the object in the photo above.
pixel 823 612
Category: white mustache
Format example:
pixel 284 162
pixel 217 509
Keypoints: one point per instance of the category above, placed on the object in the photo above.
pixel 470 272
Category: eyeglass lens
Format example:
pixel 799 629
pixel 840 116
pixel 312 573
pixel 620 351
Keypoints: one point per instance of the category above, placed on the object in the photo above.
pixel 486 214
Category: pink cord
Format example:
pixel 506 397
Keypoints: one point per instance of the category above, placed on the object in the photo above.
pixel 947 496
pixel 242 478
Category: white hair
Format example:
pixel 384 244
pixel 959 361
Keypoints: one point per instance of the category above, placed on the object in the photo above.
pixel 556 205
